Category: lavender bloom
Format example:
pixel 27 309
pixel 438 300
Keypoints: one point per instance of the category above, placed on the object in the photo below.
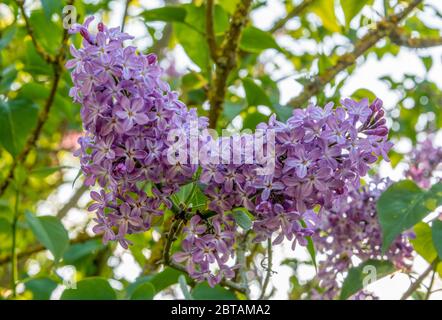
pixel 351 230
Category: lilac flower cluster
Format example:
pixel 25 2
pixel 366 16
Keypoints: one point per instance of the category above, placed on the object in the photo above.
pixel 320 154
pixel 207 247
pixel 127 112
pixel 351 230
pixel 425 161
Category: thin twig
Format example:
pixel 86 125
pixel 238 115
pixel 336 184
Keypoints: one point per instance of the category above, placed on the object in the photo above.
pixel 72 201
pixel 383 28
pixel 38 248
pixel 401 39
pixel 210 31
pixel 226 60
pixel 293 13
pixel 46 56
pixel 123 19
pixel 269 269
pixel 430 286
pixel 14 265
pixel 415 285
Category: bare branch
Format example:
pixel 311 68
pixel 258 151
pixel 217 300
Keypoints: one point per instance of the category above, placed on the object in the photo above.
pixel 123 19
pixel 398 37
pixel 294 13
pixel 269 269
pixel 210 32
pixel 415 285
pixel 226 61
pixel 72 201
pixel 383 28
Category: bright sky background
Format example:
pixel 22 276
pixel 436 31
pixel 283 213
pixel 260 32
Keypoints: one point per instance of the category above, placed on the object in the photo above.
pixel 366 75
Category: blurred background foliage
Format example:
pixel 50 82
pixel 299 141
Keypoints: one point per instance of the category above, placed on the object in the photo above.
pixel 43 221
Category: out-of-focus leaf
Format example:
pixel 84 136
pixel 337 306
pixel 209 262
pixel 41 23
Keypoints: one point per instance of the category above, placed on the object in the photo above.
pixel 41 287
pixel 403 205
pixel 7 76
pixel 194 45
pixel 325 9
pixel 94 288
pixel 7 36
pixel 202 291
pixel 355 278
pixel 50 233
pixel 145 291
pixel 436 231
pixel 165 278
pixel 363 93
pixel 255 94
pixel 256 40
pixel 50 7
pixel 352 8
pixel 17 118
pixel 423 243
pixel 78 251
pixel 253 118
pixel 167 14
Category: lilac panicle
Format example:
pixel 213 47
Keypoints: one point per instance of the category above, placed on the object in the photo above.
pixel 127 113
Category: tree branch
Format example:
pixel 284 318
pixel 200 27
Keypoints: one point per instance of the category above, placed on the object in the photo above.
pixel 47 57
pixel 415 285
pixel 210 32
pixel 383 28
pixel 123 19
pixel 293 13
pixel 38 248
pixel 72 201
pixel 226 60
pixel 398 37
pixel 269 269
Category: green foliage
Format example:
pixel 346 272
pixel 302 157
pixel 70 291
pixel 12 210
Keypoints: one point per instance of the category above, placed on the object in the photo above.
pixel 202 291
pixel 50 233
pixel 256 40
pixel 94 288
pixel 436 233
pixel 17 118
pixel 403 205
pixel 145 291
pixel 243 218
pixel 423 243
pixel 355 279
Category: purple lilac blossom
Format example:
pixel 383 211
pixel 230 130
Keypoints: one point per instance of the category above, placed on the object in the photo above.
pixel 351 230
pixel 425 161
pixel 127 113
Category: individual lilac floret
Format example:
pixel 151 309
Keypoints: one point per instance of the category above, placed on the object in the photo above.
pixel 127 113
pixel 351 230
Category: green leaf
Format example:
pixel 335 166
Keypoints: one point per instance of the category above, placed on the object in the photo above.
pixel 362 93
pixel 403 205
pixel 184 289
pixel 50 233
pixel 256 40
pixel 94 288
pixel 253 118
pixel 50 7
pixel 423 242
pixel 352 8
pixel 202 291
pixel 7 36
pixel 165 278
pixel 428 62
pixel 78 251
pixel 325 9
pixel 194 43
pixel 41 288
pixel 167 14
pixel 355 278
pixel 145 291
pixel 243 218
pixel 255 94
pixel 17 118
pixel 436 231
